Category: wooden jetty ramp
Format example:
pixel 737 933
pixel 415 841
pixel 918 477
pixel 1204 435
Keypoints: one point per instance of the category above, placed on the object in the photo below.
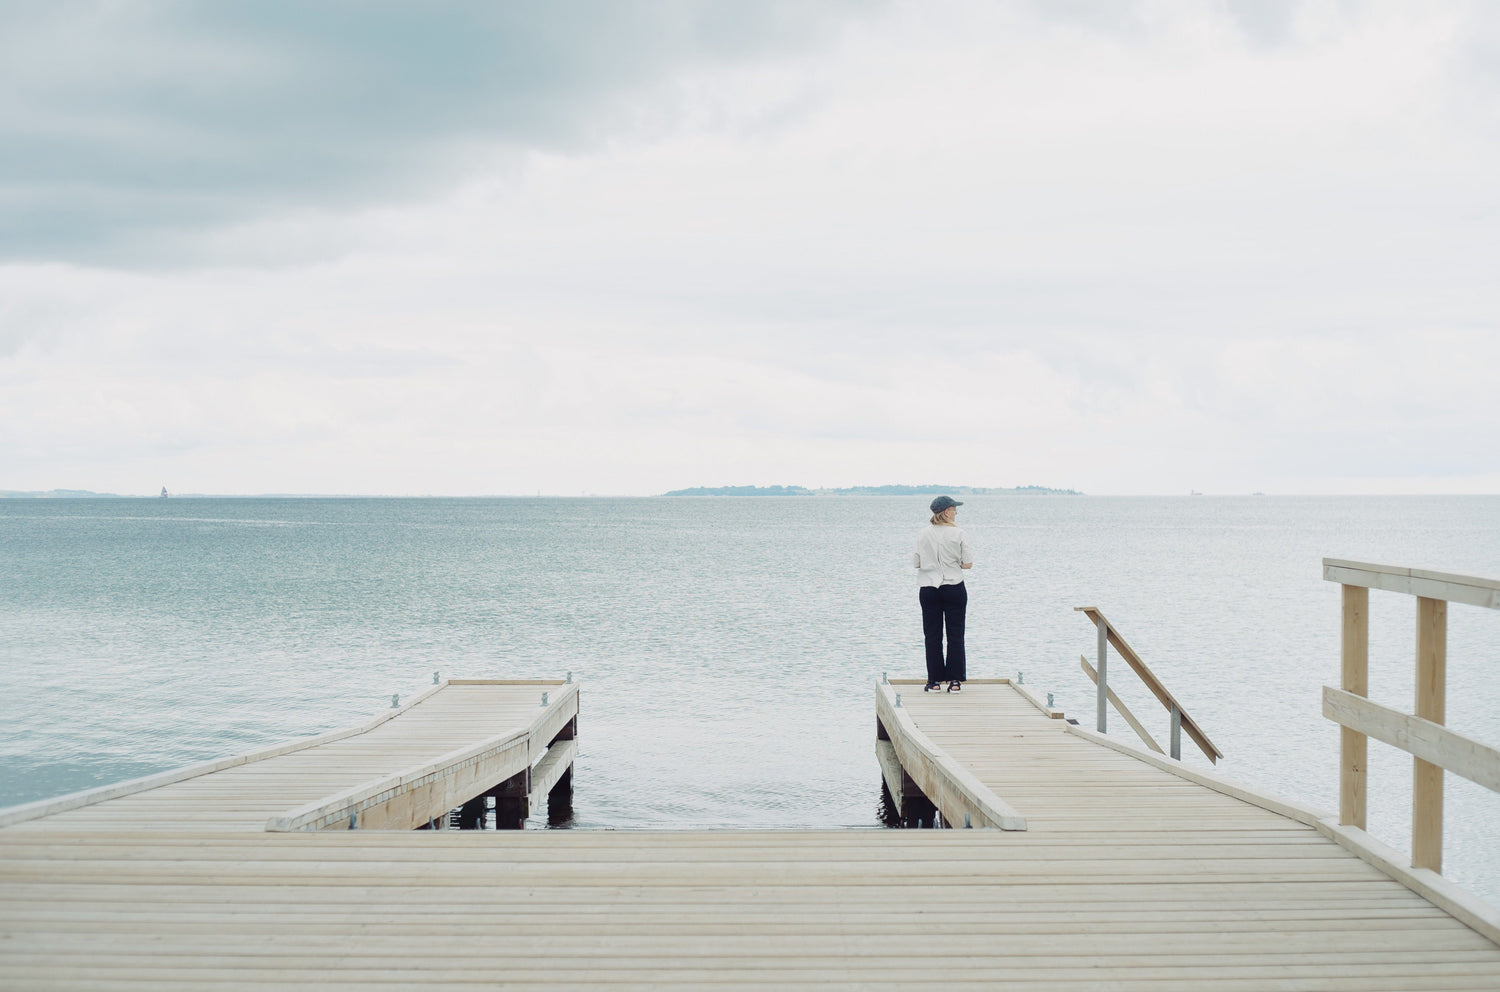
pixel 1093 865
pixel 1180 873
pixel 460 740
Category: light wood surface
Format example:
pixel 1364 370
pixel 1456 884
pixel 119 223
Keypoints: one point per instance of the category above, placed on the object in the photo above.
pixel 1432 746
pixel 1468 589
pixel 1129 908
pixel 1431 705
pixel 395 772
pixel 1432 742
pixel 1132 876
pixel 549 771
pixel 1106 786
pixel 1354 648
pixel 957 794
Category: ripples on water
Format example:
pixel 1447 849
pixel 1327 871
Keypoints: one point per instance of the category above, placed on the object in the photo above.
pixel 727 647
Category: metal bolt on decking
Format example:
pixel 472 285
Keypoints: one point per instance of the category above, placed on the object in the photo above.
pixel 1020 678
pixel 544 699
pixel 883 679
pixel 435 679
pixel 570 678
pixel 1049 700
pixel 395 700
pixel 898 700
pixel 353 821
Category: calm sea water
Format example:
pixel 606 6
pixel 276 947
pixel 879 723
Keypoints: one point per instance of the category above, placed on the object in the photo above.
pixel 727 647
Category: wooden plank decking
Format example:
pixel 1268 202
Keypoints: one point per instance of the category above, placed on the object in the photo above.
pixel 1125 877
pixel 414 763
pixel 848 909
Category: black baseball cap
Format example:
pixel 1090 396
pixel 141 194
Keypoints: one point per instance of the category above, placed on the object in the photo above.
pixel 943 502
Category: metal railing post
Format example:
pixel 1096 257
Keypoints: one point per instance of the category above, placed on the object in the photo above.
pixel 1181 719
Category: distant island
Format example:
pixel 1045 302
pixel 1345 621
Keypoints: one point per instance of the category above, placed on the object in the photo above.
pixel 54 494
pixel 872 491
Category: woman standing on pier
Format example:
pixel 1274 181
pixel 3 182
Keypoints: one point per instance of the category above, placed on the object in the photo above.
pixel 942 554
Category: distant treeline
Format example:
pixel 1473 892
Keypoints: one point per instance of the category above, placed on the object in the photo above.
pixel 52 494
pixel 872 491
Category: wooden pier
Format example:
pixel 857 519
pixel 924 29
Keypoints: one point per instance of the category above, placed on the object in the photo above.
pixel 461 740
pixel 1092 864
pixel 1189 862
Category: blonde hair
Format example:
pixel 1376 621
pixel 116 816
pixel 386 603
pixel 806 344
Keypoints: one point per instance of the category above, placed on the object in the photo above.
pixel 939 519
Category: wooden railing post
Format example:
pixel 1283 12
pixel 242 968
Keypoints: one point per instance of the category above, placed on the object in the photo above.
pixel 1423 734
pixel 1427 778
pixel 1102 687
pixel 1354 746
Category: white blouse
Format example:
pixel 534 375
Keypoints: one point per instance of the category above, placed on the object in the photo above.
pixel 941 553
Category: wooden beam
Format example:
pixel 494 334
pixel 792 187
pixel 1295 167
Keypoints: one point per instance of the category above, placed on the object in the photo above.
pixel 1432 742
pixel 1353 745
pixel 548 771
pixel 1421 582
pixel 1002 680
pixel 1427 778
pixel 1120 706
pixel 1052 712
pixel 897 782
pixel 1101 681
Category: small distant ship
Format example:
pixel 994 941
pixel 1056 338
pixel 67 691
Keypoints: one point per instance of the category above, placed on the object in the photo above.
pixel 163 492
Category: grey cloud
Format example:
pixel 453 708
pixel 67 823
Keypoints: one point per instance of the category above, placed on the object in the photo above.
pixel 1267 23
pixel 130 126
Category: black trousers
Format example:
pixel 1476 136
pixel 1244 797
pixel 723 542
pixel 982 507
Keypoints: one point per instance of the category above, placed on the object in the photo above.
pixel 944 606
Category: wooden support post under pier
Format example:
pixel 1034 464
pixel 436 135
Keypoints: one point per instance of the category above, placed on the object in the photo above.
pixel 512 801
pixel 560 799
pixel 906 797
pixel 472 814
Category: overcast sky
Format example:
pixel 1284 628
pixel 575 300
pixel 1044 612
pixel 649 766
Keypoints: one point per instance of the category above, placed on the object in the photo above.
pixel 612 247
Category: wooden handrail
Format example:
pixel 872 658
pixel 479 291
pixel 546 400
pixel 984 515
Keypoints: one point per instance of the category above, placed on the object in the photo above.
pixel 1109 635
pixel 1421 734
pixel 1445 586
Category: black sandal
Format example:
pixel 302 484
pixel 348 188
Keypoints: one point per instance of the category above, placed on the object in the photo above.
pixel 933 685
pixel 955 686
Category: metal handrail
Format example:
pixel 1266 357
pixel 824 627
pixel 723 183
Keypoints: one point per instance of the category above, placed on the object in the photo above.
pixel 1180 720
